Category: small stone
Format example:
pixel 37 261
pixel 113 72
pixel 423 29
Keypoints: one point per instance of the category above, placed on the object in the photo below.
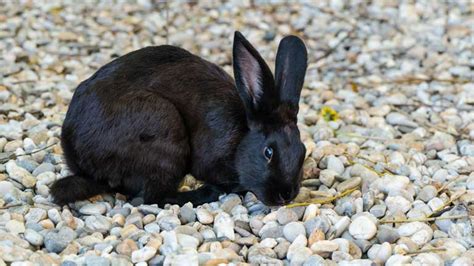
pixel 272 230
pixel 20 174
pixel 126 247
pixel 33 237
pixel 387 234
pixel 324 246
pixel 315 236
pixel 229 202
pixel 380 253
pixel 93 209
pixel 15 227
pixel 169 222
pixel 427 259
pixel 349 184
pixel 98 223
pixel 293 230
pixel 335 164
pixel 6 187
pixel 397 204
pixel 35 215
pixel 224 226
pixel 187 214
pixel 143 254
pixel 268 243
pixel 204 216
pixel 314 260
pixel 57 241
pixel 318 222
pixel 42 168
pixel 427 193
pixel 96 261
pixel 378 210
pixel 327 177
pixel 398 259
pixel 362 228
pixel 281 249
pixel 152 228
pixel 286 215
pixel 435 204
pixel 186 241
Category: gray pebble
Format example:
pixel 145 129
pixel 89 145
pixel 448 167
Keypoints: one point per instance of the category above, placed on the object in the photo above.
pixel 33 237
pixel 57 241
pixel 293 229
pixel 286 215
pixel 42 168
pixel 318 222
pixel 387 234
pixel 427 193
pixel 187 214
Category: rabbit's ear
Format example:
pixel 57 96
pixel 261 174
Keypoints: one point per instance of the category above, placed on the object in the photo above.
pixel 290 69
pixel 253 78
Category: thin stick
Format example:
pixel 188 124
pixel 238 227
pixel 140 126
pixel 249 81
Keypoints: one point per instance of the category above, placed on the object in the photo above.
pixel 425 219
pixel 446 204
pixel 324 200
pixel 14 156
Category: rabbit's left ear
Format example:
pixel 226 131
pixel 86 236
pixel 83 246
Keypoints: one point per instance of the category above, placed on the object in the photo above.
pixel 290 70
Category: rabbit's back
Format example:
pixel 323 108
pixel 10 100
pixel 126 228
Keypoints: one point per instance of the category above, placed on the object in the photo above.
pixel 158 108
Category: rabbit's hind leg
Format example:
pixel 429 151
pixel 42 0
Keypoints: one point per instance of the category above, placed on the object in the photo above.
pixel 158 147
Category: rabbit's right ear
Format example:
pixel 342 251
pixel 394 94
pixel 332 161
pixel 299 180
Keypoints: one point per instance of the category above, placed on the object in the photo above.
pixel 253 78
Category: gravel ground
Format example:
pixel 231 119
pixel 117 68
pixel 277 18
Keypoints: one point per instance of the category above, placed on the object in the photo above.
pixel 387 116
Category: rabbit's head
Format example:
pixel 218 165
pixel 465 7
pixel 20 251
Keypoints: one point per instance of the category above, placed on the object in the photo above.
pixel 270 157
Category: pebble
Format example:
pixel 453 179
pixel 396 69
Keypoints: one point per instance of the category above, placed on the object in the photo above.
pixel 362 228
pixel 143 254
pixel 20 174
pixel 293 230
pixel 286 215
pixel 335 164
pixel 33 237
pixel 56 241
pixel 35 215
pixel 324 246
pixel 387 234
pixel 204 216
pixel 397 204
pixel 98 223
pixel 187 214
pixel 15 227
pixel 380 253
pixel 327 177
pixel 93 209
pixel 224 226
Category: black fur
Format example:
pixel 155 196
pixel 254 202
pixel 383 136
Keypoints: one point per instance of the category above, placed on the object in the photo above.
pixel 146 119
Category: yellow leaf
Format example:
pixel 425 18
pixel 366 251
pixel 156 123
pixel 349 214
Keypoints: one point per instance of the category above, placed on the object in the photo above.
pixel 329 114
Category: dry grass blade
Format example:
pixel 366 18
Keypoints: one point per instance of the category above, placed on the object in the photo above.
pixel 14 156
pixel 323 200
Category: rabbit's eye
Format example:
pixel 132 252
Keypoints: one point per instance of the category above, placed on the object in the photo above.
pixel 268 152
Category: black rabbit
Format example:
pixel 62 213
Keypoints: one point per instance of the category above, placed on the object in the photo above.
pixel 146 119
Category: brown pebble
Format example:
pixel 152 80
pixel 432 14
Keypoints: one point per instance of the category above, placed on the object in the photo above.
pixel 126 247
pixel 315 236
pixel 47 224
